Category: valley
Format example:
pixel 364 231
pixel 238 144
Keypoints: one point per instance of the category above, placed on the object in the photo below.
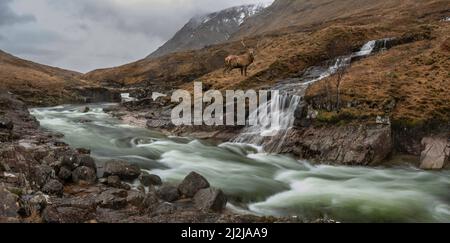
pixel 362 135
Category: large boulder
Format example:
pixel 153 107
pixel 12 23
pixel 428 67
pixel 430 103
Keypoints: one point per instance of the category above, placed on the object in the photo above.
pixel 42 174
pixel 69 161
pixel 32 204
pixel 360 145
pixel 435 153
pixel 168 193
pixel 147 179
pixel 121 169
pixel 84 175
pixel 114 181
pixel 88 161
pixel 210 199
pixel 193 183
pixel 53 187
pixel 64 174
pixel 9 205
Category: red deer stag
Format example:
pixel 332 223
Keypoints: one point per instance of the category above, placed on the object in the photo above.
pixel 240 61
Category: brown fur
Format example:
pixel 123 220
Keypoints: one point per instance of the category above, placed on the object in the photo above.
pixel 241 62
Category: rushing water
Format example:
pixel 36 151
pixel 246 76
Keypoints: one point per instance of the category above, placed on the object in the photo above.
pixel 261 183
pixel 288 100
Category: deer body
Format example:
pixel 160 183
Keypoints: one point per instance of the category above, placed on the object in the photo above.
pixel 241 62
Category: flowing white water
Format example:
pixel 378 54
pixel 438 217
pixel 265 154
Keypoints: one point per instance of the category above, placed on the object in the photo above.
pixel 262 183
pixel 287 101
pixel 281 108
pixel 367 48
pixel 126 97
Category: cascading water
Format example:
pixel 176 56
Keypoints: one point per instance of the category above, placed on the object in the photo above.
pixel 281 107
pixel 367 48
pixel 288 99
pixel 257 182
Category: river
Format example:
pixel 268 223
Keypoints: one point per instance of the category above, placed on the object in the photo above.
pixel 258 182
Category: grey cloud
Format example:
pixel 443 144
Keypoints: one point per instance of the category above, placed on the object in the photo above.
pixel 161 19
pixel 84 35
pixel 8 16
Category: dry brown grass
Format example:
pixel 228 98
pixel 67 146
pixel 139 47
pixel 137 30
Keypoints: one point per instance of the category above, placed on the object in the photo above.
pixel 415 76
pixel 35 83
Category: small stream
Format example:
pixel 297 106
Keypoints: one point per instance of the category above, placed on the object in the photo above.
pixel 258 182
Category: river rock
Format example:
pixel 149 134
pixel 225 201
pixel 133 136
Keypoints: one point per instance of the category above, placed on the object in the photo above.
pixel 69 161
pixel 87 201
pixel 168 193
pixel 88 161
pixel 114 181
pixel 84 151
pixel 147 179
pixel 42 174
pixel 122 169
pixel 136 198
pixel 113 199
pixel 210 199
pixel 360 145
pixel 110 109
pixel 193 183
pixel 85 109
pixel 9 206
pixel 38 202
pixel 84 175
pixel 53 187
pixel 84 121
pixel 65 174
pixel 151 201
pixel 164 209
pixel 6 123
pixel 66 215
pixel 435 153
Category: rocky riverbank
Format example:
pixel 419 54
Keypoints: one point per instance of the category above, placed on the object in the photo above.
pixel 45 180
pixel 365 143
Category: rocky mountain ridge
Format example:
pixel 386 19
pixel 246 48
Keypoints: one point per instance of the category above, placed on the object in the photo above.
pixel 209 29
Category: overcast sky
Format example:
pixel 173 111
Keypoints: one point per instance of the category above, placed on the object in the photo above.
pixel 83 35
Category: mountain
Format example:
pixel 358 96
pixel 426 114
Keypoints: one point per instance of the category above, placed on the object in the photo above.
pixel 288 47
pixel 300 15
pixel 208 29
pixel 292 36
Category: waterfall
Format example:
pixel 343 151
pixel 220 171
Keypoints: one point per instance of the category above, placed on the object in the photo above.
pixel 276 117
pixel 367 48
pixel 287 100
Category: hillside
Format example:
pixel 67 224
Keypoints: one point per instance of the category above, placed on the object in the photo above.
pixel 42 85
pixel 414 76
pixel 291 49
pixel 35 83
pixel 299 15
pixel 204 30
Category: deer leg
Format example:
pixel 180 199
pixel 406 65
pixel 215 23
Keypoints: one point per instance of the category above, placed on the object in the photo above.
pixel 242 71
pixel 245 70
